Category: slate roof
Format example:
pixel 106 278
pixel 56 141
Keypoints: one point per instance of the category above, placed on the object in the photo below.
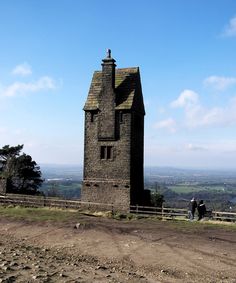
pixel 127 89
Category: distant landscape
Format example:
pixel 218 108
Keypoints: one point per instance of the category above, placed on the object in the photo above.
pixel 216 187
pixel 62 180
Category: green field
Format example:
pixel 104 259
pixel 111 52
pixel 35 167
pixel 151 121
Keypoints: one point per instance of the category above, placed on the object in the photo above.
pixel 184 189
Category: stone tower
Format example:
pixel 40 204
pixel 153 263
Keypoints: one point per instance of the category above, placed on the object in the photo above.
pixel 114 137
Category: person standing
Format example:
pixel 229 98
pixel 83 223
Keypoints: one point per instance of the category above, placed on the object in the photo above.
pixel 191 208
pixel 201 210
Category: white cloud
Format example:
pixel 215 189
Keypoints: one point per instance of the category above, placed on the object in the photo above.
pixel 219 83
pixel 168 124
pixel 215 116
pixel 196 115
pixel 194 147
pixel 230 29
pixel 186 98
pixel 19 88
pixel 22 70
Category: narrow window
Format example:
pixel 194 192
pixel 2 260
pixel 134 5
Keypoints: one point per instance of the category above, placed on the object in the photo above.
pixel 91 117
pixel 106 152
pixel 103 152
pixel 120 117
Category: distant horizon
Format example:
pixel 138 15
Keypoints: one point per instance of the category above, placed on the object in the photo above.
pixel 147 166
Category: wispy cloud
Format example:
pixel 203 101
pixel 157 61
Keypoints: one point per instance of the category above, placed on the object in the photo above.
pixel 22 70
pixel 186 99
pixel 196 115
pixel 168 124
pixel 230 29
pixel 194 147
pixel 219 83
pixel 20 88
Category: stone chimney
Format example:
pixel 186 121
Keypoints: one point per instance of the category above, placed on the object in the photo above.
pixel 108 71
pixel 106 129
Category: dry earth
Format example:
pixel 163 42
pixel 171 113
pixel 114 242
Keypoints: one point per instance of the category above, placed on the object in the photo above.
pixel 108 250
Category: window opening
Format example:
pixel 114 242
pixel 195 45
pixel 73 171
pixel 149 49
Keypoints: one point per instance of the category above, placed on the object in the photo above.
pixel 109 152
pixel 103 152
pixel 106 152
pixel 120 117
pixel 92 116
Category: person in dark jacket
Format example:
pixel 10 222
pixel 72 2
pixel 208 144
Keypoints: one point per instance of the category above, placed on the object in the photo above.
pixel 201 210
pixel 191 208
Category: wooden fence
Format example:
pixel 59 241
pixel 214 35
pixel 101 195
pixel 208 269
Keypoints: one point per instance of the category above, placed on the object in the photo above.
pixel 179 213
pixel 41 201
pixel 145 211
pixel 162 212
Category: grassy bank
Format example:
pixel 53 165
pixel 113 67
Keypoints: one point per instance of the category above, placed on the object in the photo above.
pixel 54 215
pixel 38 214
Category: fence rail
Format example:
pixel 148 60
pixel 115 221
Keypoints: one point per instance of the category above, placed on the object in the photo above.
pixel 41 201
pixel 146 211
pixel 179 213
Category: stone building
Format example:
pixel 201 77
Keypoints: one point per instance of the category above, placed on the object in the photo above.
pixel 114 137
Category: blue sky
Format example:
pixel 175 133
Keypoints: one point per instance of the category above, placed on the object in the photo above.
pixel 186 53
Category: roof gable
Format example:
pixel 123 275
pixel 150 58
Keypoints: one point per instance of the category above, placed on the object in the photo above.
pixel 127 89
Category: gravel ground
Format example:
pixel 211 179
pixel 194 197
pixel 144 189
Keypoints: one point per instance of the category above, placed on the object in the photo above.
pixel 107 250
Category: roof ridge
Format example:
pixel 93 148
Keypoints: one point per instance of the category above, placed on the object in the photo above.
pixel 121 69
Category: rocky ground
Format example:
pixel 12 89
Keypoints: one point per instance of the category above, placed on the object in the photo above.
pixel 108 250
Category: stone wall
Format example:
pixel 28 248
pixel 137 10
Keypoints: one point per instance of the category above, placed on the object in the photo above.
pixel 116 168
pixel 114 193
pixel 107 180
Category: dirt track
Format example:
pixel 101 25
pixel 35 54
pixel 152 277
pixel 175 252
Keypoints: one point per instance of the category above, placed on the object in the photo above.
pixel 107 250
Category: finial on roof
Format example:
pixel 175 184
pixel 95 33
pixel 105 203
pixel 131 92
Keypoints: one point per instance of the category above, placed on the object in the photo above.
pixel 108 53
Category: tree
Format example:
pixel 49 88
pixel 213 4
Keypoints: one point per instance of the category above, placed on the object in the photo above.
pixel 157 199
pixel 23 175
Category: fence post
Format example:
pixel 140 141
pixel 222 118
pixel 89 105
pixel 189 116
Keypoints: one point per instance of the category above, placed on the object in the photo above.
pixel 162 211
pixel 137 208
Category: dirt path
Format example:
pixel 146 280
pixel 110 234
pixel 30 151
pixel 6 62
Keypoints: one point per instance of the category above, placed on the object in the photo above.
pixel 107 250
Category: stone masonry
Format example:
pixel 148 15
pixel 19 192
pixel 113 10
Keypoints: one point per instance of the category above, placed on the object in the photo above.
pixel 114 132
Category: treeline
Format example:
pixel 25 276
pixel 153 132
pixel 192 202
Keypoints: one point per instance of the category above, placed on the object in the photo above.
pixel 215 200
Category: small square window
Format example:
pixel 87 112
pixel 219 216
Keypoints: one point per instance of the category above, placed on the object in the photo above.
pixel 106 152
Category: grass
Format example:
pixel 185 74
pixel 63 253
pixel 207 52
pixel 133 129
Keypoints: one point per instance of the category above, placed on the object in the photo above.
pixel 37 214
pixel 55 215
pixel 184 189
pixel 200 226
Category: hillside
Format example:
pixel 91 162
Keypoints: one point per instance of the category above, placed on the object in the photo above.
pixel 43 246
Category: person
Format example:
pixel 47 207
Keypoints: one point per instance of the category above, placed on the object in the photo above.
pixel 191 208
pixel 201 210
